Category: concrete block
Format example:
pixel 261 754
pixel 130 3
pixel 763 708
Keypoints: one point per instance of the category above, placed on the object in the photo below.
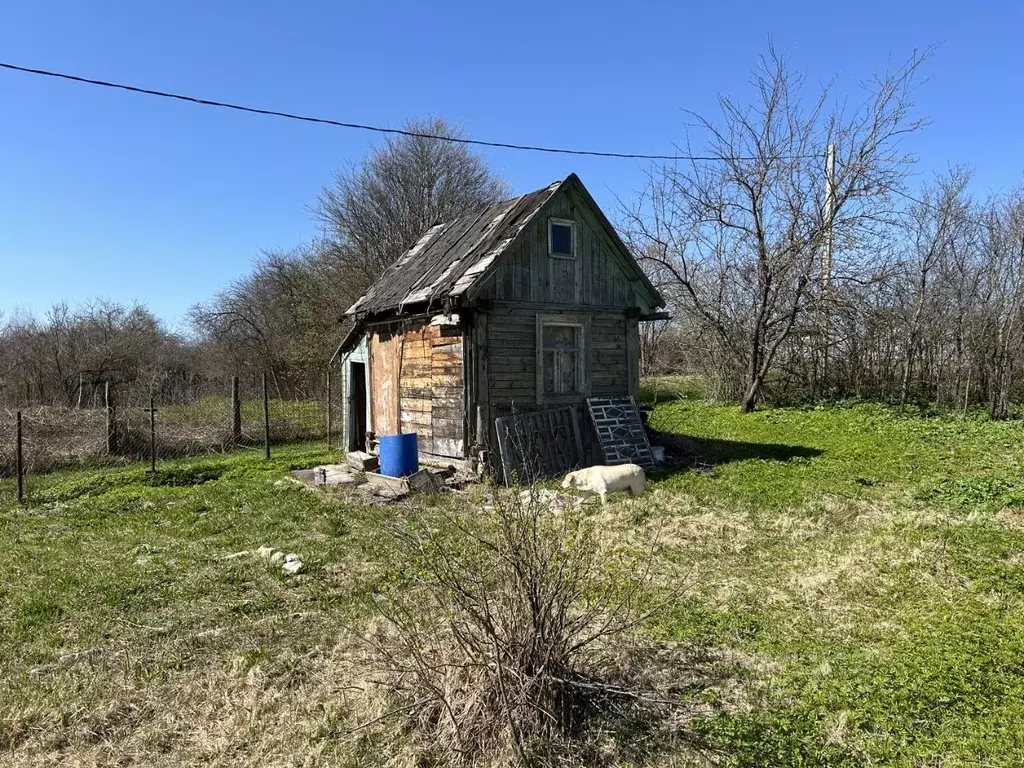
pixel 388 486
pixel 363 461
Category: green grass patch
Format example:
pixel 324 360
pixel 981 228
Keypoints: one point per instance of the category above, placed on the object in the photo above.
pixel 860 570
pixel 784 456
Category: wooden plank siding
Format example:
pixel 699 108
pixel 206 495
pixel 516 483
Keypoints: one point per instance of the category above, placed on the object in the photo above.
pixel 450 384
pixel 384 346
pixel 507 360
pixel 511 348
pixel 417 379
pixel 596 277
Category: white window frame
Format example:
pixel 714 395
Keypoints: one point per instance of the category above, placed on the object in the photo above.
pixel 572 239
pixel 582 324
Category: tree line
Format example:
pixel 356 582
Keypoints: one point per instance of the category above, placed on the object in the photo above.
pixel 791 283
pixel 793 272
pixel 283 318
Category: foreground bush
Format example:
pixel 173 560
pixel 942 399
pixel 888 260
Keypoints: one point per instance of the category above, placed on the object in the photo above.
pixel 515 642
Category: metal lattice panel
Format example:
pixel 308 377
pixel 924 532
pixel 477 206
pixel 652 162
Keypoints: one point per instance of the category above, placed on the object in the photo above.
pixel 620 430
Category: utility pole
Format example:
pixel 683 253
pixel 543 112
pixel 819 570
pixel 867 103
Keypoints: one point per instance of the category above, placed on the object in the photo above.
pixel 826 258
pixel 830 212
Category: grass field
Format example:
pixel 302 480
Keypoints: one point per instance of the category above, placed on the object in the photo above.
pixel 860 570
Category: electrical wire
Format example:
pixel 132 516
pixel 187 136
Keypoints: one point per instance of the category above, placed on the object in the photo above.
pixel 415 134
pixel 373 128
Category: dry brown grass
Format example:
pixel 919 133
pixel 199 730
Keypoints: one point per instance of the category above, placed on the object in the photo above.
pixel 55 437
pixel 517 643
pixel 52 437
pixel 230 710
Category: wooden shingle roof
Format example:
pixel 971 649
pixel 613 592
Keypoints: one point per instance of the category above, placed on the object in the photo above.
pixel 449 257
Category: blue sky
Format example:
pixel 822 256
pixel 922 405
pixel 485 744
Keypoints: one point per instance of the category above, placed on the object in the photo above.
pixel 134 198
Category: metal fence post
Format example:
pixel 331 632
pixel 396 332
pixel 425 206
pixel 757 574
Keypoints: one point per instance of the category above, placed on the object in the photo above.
pixel 236 412
pixel 266 420
pixel 152 435
pixel 19 460
pixel 108 404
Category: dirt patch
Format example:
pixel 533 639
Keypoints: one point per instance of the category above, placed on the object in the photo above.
pixel 1011 517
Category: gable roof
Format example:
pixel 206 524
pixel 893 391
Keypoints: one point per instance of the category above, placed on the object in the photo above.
pixel 451 258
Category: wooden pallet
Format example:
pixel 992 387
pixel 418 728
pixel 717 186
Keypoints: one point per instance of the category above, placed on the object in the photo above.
pixel 539 445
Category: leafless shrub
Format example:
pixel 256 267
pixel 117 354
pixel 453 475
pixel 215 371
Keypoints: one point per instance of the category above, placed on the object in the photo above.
pixel 55 436
pixel 515 644
pixel 52 437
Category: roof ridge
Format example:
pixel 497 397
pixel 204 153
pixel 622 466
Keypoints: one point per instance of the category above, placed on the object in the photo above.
pixel 450 256
pixel 512 199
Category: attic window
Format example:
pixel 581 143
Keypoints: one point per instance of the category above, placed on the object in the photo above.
pixel 561 239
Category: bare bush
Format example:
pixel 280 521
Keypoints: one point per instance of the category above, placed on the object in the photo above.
pixel 56 437
pixel 515 643
pixel 53 437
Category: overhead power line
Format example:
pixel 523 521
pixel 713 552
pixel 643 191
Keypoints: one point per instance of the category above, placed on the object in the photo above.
pixel 419 134
pixel 373 128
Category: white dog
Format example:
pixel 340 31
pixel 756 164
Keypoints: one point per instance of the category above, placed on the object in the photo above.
pixel 604 480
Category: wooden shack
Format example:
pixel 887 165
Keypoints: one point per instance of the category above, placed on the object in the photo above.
pixel 527 304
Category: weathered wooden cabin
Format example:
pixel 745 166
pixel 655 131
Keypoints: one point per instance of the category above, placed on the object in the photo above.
pixel 529 303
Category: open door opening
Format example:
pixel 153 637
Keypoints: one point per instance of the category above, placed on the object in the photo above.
pixel 357 406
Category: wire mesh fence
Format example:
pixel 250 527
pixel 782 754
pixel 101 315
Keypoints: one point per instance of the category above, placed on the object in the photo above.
pixel 245 416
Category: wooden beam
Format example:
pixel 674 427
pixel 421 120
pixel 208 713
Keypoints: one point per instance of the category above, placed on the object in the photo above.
pixel 481 355
pixel 633 357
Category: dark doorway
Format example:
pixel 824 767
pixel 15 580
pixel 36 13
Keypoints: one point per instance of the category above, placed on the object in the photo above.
pixel 357 406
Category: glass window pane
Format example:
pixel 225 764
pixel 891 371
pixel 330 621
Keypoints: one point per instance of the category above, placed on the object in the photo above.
pixel 549 373
pixel 561 239
pixel 567 372
pixel 560 337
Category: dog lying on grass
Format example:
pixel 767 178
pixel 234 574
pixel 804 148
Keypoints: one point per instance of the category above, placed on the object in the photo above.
pixel 603 480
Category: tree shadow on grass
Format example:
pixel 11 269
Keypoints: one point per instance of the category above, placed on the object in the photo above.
pixel 684 452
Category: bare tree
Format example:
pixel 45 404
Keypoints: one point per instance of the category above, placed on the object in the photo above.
pixel 377 209
pixel 67 356
pixel 741 235
pixel 279 319
pixel 1002 312
pixel 282 317
pixel 936 224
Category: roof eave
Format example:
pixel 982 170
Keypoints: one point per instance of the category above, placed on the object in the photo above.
pixel 349 341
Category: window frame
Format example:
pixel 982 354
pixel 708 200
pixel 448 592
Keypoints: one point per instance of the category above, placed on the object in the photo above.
pixel 582 324
pixel 552 223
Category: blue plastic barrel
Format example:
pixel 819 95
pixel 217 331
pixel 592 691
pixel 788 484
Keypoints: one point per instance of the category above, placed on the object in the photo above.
pixel 399 455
